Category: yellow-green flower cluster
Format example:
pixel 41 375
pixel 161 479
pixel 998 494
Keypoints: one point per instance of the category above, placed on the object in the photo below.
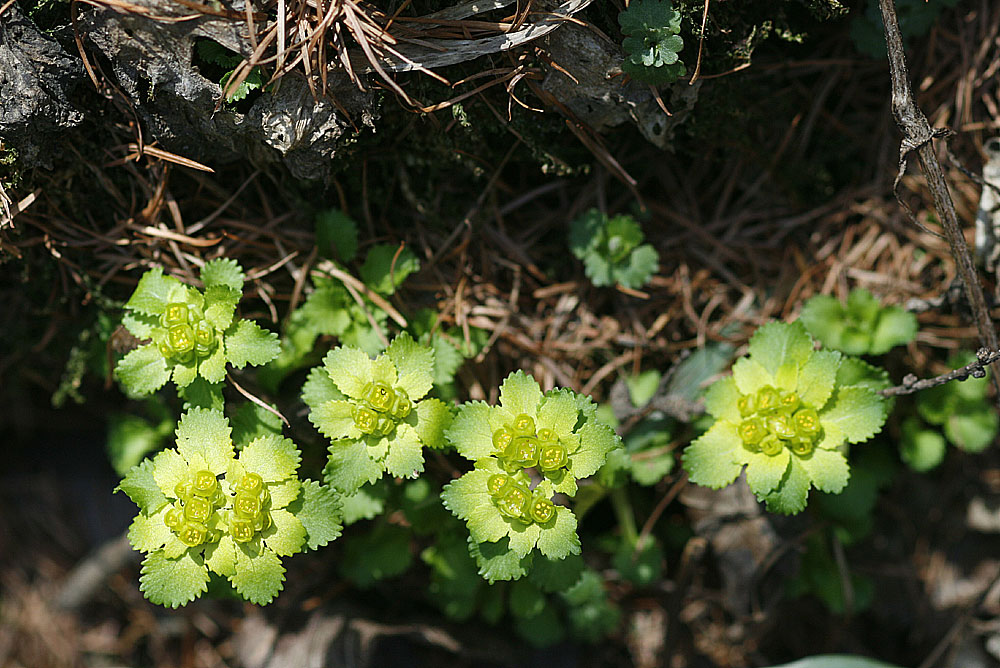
pixel 773 420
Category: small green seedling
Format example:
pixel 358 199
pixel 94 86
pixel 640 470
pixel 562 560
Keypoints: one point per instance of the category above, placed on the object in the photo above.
pixel 861 326
pixel 652 44
pixel 612 250
pixel 959 412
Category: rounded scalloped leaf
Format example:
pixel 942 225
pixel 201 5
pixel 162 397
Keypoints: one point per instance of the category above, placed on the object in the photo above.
pixel 471 433
pixel 818 378
pixel 169 470
pixel 248 343
pixel 414 365
pixel 320 511
pixel 143 370
pixel 778 344
pixel 558 412
pixel 765 472
pixel 350 369
pixel 559 540
pixel 213 369
pixel 152 293
pixel 258 578
pixel 223 272
pixel 272 457
pixel 350 466
pixel 828 470
pixel 793 493
pixel 596 441
pixel 520 393
pixel 221 557
pixel 750 376
pixel 433 417
pixel 148 534
pixel 722 400
pixel 824 317
pixel 335 420
pixel 857 412
pixel 497 561
pixel 140 486
pixel 173 582
pixel 286 535
pixel 523 537
pixel 205 433
pixel 405 458
pixel 895 327
pixel 710 460
pixel 469 499
pixel 320 388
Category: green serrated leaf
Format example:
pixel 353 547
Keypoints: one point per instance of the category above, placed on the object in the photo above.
pixel 204 439
pixel 364 504
pixel 349 466
pixel 286 535
pixel 468 499
pixel 470 432
pixel 414 365
pixel 202 394
pixel 596 441
pixel 220 305
pixel 827 469
pixel 406 456
pixel 765 472
pixel 173 582
pixel 320 388
pixel 140 486
pixel 350 369
pixel 271 457
pixel 857 412
pixel 319 511
pixel 221 557
pixel 247 343
pixel 258 578
pixel 709 460
pixel 497 561
pixel 520 393
pixel 433 418
pixel 778 344
pixel 792 494
pixel 149 533
pixel 169 470
pixel 223 272
pixel 250 421
pixel 152 293
pixel 335 420
pixel 213 368
pixel 639 267
pixel 559 540
pixel 143 370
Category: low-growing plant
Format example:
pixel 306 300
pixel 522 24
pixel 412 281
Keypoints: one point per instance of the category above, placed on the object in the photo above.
pixel 612 250
pixel 187 333
pixel 652 44
pixel 786 415
pixel 958 413
pixel 861 326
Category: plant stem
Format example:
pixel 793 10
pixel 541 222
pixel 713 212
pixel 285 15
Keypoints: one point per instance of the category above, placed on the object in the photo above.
pixel 626 516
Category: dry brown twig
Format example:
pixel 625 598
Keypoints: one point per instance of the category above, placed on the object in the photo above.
pixel 918 136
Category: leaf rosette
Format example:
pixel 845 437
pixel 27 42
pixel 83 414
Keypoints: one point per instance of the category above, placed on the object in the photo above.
pixel 187 332
pixel 652 44
pixel 202 508
pixel 786 414
pixel 612 250
pixel 526 449
pixel 375 411
pixel 861 326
